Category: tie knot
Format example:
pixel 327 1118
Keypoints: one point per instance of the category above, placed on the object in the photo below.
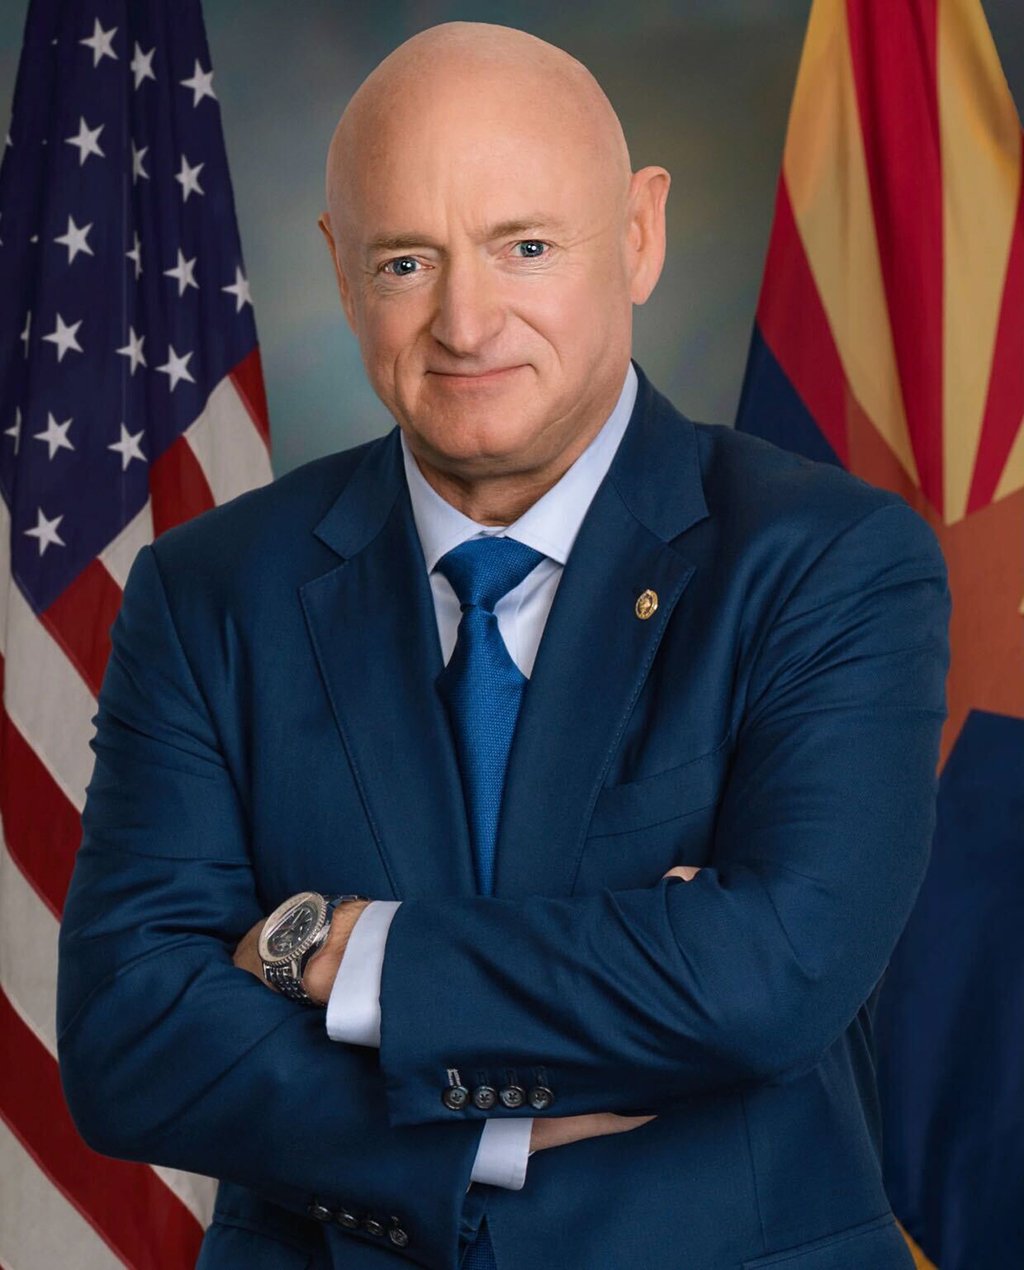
pixel 482 570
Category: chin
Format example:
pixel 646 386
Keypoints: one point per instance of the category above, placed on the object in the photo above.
pixel 472 449
pixel 464 439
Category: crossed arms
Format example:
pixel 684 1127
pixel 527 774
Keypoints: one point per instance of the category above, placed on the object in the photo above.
pixel 633 998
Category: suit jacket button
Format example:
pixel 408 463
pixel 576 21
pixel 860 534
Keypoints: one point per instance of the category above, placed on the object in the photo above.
pixel 541 1097
pixel 484 1097
pixel 513 1096
pixel 455 1097
pixel 373 1226
pixel 347 1218
pixel 318 1211
pixel 396 1234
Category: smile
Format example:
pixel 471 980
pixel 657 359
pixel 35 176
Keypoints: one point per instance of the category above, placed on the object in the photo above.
pixel 475 381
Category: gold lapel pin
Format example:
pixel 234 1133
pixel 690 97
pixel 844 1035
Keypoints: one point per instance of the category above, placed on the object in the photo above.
pixel 646 603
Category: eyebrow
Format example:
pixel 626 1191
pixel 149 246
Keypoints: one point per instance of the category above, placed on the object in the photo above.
pixel 503 229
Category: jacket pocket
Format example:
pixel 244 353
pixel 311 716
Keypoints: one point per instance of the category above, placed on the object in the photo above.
pixel 876 1243
pixel 666 795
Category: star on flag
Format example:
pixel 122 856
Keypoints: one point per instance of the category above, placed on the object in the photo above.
pixel 75 239
pixel 188 179
pixel 183 272
pixel 129 447
pixel 55 435
pixel 176 367
pixel 239 289
pixel 137 168
pixel 133 349
pixel 46 531
pixel 201 84
pixel 64 337
pixel 141 64
pixel 101 43
pixel 86 140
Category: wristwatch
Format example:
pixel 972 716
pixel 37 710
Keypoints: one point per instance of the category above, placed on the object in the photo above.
pixel 293 932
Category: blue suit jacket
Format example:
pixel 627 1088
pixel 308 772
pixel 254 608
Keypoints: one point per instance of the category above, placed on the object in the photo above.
pixel 269 723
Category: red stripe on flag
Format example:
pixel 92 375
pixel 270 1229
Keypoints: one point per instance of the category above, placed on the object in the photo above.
pixel 247 377
pixel 177 487
pixel 126 1203
pixel 80 618
pixel 894 50
pixel 795 327
pixel 42 829
pixel 1004 407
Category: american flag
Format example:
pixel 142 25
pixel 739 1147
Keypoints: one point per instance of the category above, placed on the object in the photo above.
pixel 131 398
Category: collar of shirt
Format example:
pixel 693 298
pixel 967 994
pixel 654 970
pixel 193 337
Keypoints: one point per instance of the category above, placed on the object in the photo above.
pixel 551 524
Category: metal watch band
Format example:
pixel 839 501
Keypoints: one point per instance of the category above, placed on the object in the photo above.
pixel 286 977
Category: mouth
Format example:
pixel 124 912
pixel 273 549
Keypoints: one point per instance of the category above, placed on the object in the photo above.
pixel 481 380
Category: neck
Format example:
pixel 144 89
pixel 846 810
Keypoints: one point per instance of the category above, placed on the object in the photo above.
pixel 497 500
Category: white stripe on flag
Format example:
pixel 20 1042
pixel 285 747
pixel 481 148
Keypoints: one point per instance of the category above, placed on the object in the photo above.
pixel 117 557
pixel 28 951
pixel 6 581
pixel 38 1226
pixel 196 1192
pixel 47 700
pixel 230 450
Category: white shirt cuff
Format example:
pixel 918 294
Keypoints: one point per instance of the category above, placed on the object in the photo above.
pixel 353 1008
pixel 502 1153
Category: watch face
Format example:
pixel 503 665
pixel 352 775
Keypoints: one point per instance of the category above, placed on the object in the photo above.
pixel 294 927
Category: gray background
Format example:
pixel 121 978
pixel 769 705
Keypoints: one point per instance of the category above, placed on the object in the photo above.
pixel 701 88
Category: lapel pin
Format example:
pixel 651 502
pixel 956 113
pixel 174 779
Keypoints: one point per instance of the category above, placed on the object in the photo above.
pixel 646 603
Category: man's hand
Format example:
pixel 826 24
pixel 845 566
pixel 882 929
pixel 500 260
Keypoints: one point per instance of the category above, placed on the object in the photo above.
pixel 321 968
pixel 556 1131
pixel 686 871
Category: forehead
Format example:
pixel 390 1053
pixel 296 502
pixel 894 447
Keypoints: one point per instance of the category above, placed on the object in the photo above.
pixel 477 167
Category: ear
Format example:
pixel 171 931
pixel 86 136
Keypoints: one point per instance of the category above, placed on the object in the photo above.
pixel 645 230
pixel 344 290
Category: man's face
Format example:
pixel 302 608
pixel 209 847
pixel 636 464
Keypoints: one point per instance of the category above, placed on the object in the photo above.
pixel 483 270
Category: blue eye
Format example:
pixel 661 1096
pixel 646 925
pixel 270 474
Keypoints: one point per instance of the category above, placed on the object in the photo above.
pixel 532 248
pixel 400 263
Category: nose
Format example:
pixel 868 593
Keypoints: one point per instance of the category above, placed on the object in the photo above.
pixel 470 311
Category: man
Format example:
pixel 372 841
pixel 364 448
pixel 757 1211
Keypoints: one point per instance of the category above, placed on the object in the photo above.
pixel 616 733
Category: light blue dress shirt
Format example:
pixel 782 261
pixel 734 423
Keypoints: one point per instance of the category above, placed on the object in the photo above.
pixel 549 526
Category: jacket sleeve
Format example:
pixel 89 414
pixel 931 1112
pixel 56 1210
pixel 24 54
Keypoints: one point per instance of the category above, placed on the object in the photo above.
pixel 353 1016
pixel 169 1053
pixel 630 1000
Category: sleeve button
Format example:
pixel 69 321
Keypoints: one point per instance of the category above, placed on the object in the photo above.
pixel 541 1097
pixel 345 1217
pixel 484 1097
pixel 396 1234
pixel 455 1097
pixel 318 1211
pixel 513 1096
pixel 373 1226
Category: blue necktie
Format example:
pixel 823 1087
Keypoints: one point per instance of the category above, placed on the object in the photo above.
pixel 483 689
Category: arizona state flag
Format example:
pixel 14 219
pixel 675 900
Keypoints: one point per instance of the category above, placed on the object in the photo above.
pixel 890 340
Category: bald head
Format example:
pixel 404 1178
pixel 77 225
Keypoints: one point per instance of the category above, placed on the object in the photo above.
pixel 463 73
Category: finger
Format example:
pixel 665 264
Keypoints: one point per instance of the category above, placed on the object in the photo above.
pixel 685 871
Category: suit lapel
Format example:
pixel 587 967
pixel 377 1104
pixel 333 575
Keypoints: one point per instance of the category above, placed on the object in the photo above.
pixel 596 652
pixel 371 621
pixel 372 624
